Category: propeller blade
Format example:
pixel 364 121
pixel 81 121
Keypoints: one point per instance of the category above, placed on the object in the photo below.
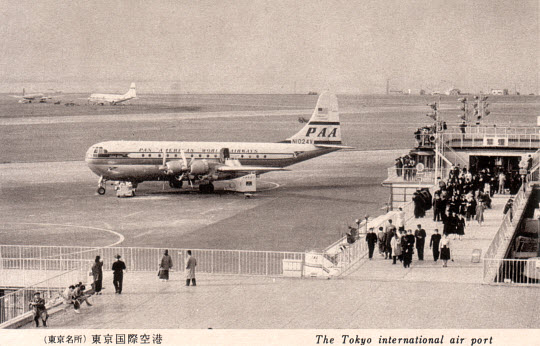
pixel 183 154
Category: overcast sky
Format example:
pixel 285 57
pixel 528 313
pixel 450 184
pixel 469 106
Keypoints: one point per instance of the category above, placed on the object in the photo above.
pixel 270 46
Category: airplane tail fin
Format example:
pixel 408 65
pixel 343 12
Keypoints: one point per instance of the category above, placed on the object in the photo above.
pixel 323 127
pixel 132 91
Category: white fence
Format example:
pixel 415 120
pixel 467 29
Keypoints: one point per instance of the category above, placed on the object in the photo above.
pixel 243 262
pixel 513 271
pixel 22 272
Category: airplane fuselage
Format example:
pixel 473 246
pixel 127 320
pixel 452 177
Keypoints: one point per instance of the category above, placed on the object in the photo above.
pixel 109 98
pixel 139 161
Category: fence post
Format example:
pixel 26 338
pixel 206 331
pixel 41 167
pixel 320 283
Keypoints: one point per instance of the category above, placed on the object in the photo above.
pixel 212 262
pixel 239 263
pixel 131 259
pixel 266 261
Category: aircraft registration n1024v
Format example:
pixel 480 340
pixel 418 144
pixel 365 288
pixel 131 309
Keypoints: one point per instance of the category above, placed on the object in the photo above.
pixel 202 163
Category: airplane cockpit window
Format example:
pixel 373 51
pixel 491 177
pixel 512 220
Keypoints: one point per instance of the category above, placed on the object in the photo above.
pixel 99 151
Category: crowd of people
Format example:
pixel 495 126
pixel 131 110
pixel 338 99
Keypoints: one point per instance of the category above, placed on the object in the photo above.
pixel 76 295
pixel 400 244
pixel 465 196
pixel 458 200
pixel 406 167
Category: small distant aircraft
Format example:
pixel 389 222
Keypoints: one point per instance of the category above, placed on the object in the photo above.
pixel 28 98
pixel 113 99
pixel 205 162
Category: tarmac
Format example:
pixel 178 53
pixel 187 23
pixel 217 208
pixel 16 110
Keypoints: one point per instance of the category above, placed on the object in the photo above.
pixel 375 295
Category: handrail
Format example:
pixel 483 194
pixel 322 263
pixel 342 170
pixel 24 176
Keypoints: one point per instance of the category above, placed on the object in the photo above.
pixel 16 303
pixel 243 262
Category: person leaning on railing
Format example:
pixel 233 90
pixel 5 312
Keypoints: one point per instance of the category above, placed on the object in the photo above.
pixel 39 310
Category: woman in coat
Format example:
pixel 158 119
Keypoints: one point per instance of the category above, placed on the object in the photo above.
pixel 395 243
pixel 97 273
pixel 164 266
pixel 480 207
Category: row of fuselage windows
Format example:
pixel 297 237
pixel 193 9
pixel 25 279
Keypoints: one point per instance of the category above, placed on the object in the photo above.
pixel 204 155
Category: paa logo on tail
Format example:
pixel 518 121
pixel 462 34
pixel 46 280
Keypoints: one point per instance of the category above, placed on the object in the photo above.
pixel 323 127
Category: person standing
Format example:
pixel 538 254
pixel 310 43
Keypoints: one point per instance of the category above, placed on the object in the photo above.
pixel 390 232
pixel 445 250
pixel 434 244
pixel 502 183
pixel 39 310
pixel 190 268
pixel 371 239
pixel 460 228
pixel 480 207
pixel 97 273
pixel 381 239
pixel 408 248
pixel 118 268
pixel 419 211
pixel 401 219
pixel 164 266
pixel 420 238
pixel 396 247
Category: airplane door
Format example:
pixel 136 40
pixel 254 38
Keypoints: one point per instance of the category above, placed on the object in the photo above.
pixel 224 154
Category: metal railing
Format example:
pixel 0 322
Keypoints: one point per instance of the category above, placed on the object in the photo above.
pixel 21 272
pixel 16 304
pixel 495 130
pixel 244 262
pixel 514 271
pixel 455 140
pixel 413 175
pixel 345 256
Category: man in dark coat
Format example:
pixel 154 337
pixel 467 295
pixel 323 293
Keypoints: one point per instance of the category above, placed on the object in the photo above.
pixel 420 237
pixel 418 200
pixel 118 268
pixel 371 239
pixel 408 249
pixel 390 231
pixel 434 244
pixel 97 273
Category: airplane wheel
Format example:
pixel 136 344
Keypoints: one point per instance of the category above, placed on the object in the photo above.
pixel 101 190
pixel 206 188
pixel 175 184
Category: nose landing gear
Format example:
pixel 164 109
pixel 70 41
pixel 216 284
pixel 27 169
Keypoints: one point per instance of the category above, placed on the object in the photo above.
pixel 101 186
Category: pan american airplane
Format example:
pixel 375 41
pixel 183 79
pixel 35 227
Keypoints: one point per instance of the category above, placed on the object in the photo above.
pixel 205 162
pixel 113 99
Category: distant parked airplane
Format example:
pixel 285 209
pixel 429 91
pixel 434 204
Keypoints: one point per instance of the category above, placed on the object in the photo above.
pixel 113 99
pixel 28 98
pixel 205 162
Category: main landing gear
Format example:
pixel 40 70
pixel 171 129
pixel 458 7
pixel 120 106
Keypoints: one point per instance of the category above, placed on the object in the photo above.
pixel 206 188
pixel 175 184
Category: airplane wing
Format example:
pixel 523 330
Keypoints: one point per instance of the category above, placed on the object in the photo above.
pixel 249 169
pixel 333 146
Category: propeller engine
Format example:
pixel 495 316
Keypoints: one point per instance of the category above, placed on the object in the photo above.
pixel 176 167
